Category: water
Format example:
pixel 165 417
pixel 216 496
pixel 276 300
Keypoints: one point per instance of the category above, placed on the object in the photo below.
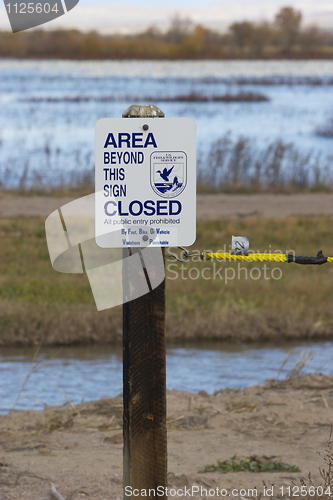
pixel 169 69
pixel 93 372
pixel 43 133
pixel 57 137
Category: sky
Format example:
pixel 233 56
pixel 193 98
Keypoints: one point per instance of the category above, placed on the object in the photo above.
pixel 136 15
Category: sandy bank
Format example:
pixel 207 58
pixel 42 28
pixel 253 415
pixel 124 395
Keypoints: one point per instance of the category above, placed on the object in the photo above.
pixel 81 448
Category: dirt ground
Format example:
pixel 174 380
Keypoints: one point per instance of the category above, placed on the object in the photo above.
pixel 80 449
pixel 209 206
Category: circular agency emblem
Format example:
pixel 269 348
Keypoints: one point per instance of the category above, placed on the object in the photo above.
pixel 168 173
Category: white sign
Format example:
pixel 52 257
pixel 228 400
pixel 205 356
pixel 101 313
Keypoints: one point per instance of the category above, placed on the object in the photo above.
pixel 145 178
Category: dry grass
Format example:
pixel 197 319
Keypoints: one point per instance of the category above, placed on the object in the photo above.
pixel 51 180
pixel 231 165
pixel 36 300
pixel 323 490
pixel 240 166
pixel 269 422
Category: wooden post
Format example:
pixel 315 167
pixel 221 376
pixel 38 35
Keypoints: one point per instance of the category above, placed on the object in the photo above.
pixel 144 373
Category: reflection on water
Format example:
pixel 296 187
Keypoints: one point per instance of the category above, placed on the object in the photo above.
pixel 93 372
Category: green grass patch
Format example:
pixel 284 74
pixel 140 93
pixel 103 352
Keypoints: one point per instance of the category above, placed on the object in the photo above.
pixel 33 295
pixel 26 273
pixel 252 286
pixel 235 464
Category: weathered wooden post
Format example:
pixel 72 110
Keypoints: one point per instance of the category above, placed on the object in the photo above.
pixel 144 202
pixel 144 372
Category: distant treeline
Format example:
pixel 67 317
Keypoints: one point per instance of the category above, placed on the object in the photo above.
pixel 283 38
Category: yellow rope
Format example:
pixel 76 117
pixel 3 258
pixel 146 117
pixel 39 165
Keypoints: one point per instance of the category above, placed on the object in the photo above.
pixel 261 257
pixel 252 257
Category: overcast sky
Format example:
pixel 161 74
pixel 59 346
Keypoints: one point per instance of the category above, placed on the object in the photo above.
pixel 134 15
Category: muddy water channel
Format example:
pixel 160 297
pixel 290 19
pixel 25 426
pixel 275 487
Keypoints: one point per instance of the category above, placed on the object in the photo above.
pixel 85 373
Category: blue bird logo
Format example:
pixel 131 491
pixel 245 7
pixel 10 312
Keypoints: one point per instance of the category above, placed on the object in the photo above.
pixel 166 173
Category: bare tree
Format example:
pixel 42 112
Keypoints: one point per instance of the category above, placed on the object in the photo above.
pixel 262 37
pixel 288 22
pixel 313 39
pixel 180 28
pixel 242 34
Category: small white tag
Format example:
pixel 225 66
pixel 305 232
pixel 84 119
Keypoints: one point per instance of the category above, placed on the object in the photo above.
pixel 240 245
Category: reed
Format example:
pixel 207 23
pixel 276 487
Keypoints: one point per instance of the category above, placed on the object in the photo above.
pixel 228 166
pixel 240 166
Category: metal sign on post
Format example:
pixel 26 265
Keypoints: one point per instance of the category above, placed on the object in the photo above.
pixel 146 182
pixel 145 200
